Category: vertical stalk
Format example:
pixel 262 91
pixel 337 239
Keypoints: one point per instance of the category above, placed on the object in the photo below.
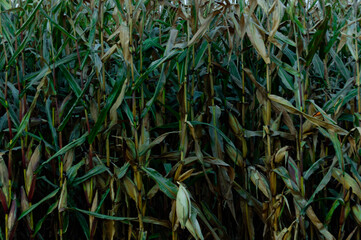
pixel 10 130
pixel 357 61
pixel 10 150
pixel 181 127
pixel 193 82
pixel 357 79
pixel 268 107
pixel 300 135
pixel 273 178
pixel 243 84
pixel 184 113
pixel 210 72
pixel 20 113
pixel 243 120
pixel 142 100
pixel 85 111
pixel 137 173
pixel 55 114
pixel 22 109
pixel 20 119
pixel 305 25
pixel 90 155
pixel 268 112
pixel 183 119
pixel 101 13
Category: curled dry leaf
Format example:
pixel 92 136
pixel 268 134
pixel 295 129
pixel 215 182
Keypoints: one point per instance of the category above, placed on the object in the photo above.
pixel 260 181
pixel 92 222
pixel 185 175
pixel 257 41
pixel 94 110
pixel 124 41
pixel 347 181
pixel 109 227
pixel 290 108
pixel 24 204
pixel 277 15
pixel 68 159
pixel 194 227
pixel 130 188
pixel 63 201
pixel 235 155
pixel 356 210
pixel 33 164
pixel 113 110
pixel 12 216
pixel 235 125
pixel 4 184
pixel 280 155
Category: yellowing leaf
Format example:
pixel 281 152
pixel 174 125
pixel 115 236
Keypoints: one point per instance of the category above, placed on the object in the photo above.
pixel 113 111
pixel 33 163
pixel 235 155
pixel 342 42
pixel 68 159
pixel 12 216
pixel 63 198
pixel 281 154
pixel 356 210
pixel 193 227
pixel 347 181
pixel 276 17
pixel 4 180
pixel 257 41
pixel 263 4
pixel 92 209
pixel 260 181
pixel 130 188
pixel 318 122
pixel 124 40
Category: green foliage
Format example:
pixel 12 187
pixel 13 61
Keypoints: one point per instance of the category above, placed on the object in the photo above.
pixel 180 119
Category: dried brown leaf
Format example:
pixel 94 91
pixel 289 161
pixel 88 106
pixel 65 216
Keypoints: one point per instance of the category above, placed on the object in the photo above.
pixel 63 200
pixel 130 188
pixel 260 181
pixel 124 41
pixel 33 164
pixel 347 181
pixel 257 41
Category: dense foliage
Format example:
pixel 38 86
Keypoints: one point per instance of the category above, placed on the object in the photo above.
pixel 205 119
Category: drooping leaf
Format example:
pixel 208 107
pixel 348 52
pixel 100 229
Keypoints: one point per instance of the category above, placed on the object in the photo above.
pixel 165 185
pixel 109 103
pixel 125 220
pixel 49 196
pixel 68 147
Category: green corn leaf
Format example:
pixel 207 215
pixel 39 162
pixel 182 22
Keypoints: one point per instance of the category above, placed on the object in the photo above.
pixel 66 148
pixel 57 25
pixel 78 99
pixel 30 18
pixel 96 170
pixel 125 220
pixel 30 209
pixel 165 185
pixel 109 103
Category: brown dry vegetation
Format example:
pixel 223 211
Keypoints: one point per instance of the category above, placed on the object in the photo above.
pixel 146 119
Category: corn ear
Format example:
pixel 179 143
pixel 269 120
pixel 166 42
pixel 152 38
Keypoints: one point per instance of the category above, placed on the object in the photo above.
pixel 183 205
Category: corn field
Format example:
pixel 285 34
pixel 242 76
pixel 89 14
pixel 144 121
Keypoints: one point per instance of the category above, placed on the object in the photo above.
pixel 187 119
